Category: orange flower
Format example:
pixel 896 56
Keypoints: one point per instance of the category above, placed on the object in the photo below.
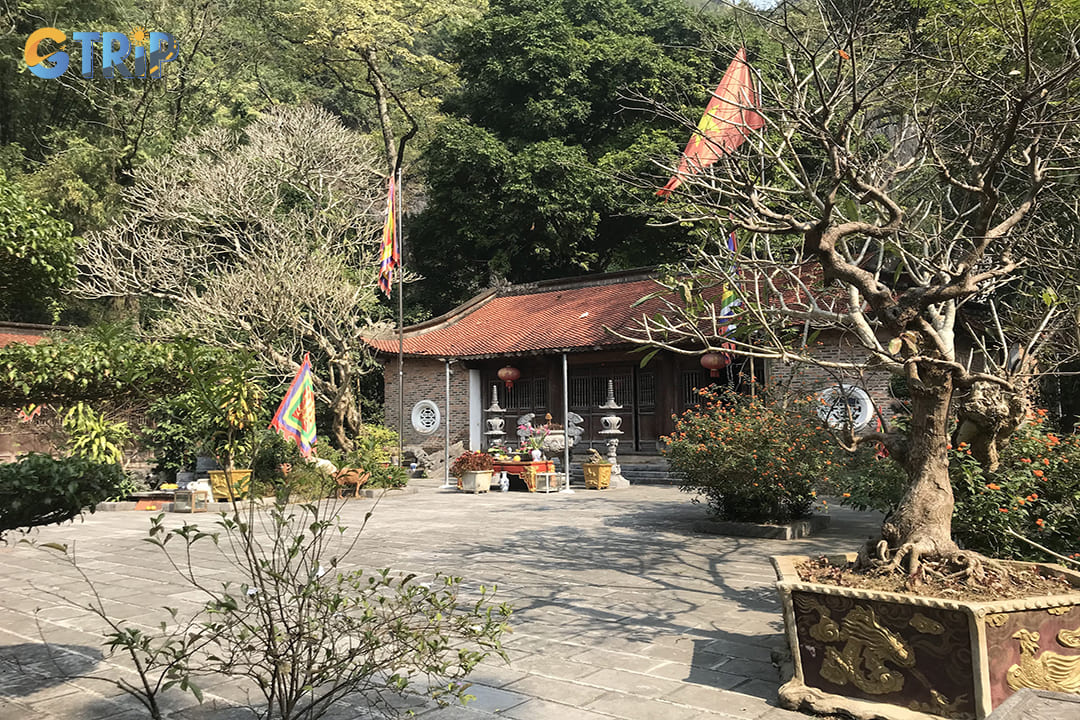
pixel 993 486
pixel 1027 460
pixel 1046 461
pixel 1002 510
pixel 1020 501
pixel 1040 522
pixel 1040 411
pixel 847 494
pixel 1033 497
pixel 1037 473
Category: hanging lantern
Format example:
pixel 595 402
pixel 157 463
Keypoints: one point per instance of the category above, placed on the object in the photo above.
pixel 715 362
pixel 509 374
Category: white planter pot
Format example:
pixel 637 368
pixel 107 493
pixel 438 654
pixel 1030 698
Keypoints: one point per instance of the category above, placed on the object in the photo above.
pixel 476 481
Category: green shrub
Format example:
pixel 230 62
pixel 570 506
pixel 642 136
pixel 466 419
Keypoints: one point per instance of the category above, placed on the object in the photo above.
pixel 752 460
pixel 388 476
pixel 272 450
pixel 42 490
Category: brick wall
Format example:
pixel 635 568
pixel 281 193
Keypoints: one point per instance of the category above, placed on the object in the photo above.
pixel 426 380
pixel 808 378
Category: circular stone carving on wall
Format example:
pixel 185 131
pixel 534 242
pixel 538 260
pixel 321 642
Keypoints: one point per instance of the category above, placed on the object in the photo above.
pixel 838 400
pixel 425 417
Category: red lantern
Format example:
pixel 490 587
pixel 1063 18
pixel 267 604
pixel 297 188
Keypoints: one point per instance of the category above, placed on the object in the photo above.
pixel 508 375
pixel 715 362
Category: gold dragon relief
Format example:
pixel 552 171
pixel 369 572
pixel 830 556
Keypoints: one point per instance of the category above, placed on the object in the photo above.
pixel 1047 670
pixel 867 651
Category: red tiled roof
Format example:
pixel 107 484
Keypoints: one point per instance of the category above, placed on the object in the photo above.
pixel 515 321
pixel 557 315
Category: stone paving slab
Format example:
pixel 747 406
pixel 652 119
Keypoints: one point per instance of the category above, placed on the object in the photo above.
pixel 622 610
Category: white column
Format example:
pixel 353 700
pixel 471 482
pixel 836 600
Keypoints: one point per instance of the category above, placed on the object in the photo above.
pixel 476 411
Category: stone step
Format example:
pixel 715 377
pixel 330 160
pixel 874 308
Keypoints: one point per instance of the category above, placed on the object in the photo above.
pixel 637 474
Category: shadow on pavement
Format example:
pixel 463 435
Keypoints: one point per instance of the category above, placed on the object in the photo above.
pixel 26 668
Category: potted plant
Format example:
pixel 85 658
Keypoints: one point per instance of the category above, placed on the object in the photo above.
pixel 473 469
pixel 233 405
pixel 597 471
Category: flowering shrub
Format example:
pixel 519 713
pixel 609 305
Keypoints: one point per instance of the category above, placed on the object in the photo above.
pixel 751 459
pixel 1035 493
pixel 470 460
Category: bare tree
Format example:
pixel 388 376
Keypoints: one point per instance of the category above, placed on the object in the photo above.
pixel 266 242
pixel 910 170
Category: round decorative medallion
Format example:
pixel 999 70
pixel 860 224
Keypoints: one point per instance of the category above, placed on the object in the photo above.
pixel 425 417
pixel 839 400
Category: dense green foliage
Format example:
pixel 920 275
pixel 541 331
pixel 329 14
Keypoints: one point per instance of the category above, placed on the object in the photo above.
pixel 524 177
pixel 43 490
pixel 102 365
pixel 752 460
pixel 37 257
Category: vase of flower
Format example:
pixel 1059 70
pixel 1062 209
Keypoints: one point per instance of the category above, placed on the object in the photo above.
pixel 537 454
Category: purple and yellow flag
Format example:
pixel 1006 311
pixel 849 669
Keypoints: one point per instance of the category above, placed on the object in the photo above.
pixel 729 299
pixel 295 416
pixel 390 256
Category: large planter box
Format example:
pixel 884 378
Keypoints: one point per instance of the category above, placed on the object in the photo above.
pixel 234 486
pixel 476 481
pixel 597 475
pixel 905 657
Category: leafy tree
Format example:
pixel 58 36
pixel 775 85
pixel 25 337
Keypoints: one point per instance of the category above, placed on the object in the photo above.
pixel 37 257
pixel 75 142
pixel 265 242
pixel 388 55
pixel 523 179
pixel 914 170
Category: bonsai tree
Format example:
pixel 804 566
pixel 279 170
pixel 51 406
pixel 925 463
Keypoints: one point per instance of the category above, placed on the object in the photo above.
pixel 909 188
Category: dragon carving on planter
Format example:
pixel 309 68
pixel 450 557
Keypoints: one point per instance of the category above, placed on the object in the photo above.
pixel 868 646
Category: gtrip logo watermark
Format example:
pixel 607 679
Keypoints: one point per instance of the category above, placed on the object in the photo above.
pixel 142 55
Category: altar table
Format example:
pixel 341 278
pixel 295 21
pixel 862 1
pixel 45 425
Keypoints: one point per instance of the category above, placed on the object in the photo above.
pixel 526 470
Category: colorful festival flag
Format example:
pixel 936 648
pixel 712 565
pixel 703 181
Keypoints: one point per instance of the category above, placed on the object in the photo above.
pixel 390 256
pixel 295 416
pixel 729 118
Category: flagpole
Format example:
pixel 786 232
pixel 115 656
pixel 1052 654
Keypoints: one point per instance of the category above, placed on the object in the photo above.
pixel 401 326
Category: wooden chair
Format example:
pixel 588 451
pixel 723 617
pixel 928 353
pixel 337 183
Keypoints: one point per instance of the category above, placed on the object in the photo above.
pixel 350 476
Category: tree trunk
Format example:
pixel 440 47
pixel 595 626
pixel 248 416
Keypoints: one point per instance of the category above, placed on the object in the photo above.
pixel 382 106
pixel 988 415
pixel 922 522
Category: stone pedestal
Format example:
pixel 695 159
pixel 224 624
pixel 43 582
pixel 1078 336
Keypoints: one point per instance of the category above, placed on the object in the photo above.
pixel 612 423
pixel 617 479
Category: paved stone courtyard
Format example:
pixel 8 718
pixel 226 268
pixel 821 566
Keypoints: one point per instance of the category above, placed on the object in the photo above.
pixel 621 609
